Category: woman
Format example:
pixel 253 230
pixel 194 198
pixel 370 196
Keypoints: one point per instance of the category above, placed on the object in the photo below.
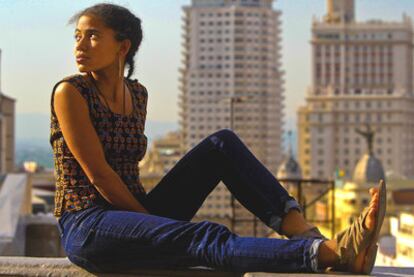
pixel 106 219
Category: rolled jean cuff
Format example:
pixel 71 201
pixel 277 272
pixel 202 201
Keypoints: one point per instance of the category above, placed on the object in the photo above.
pixel 314 251
pixel 275 221
pixel 292 204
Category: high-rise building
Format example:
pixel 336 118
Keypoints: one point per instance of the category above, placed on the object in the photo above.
pixel 231 48
pixel 362 73
pixel 7 118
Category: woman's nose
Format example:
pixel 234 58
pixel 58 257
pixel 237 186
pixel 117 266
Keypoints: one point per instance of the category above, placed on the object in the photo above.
pixel 81 44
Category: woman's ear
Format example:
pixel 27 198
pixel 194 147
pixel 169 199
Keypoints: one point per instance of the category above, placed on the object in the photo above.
pixel 125 46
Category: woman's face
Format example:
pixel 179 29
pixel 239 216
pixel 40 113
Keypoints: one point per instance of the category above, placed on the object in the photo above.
pixel 95 44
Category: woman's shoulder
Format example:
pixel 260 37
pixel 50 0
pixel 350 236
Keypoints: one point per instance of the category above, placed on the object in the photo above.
pixel 78 80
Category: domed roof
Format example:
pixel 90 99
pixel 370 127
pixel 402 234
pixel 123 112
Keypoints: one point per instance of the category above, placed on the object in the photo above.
pixel 289 169
pixel 368 170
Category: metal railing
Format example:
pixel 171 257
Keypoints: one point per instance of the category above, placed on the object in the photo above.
pixel 302 186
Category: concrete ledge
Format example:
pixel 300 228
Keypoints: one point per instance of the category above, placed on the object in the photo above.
pixel 35 266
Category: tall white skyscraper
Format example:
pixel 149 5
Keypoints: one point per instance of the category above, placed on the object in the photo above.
pixel 362 73
pixel 232 48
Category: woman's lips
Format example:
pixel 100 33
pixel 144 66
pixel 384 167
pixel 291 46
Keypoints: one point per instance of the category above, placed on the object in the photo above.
pixel 81 59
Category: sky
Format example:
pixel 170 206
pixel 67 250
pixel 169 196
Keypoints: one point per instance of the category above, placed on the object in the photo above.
pixel 37 48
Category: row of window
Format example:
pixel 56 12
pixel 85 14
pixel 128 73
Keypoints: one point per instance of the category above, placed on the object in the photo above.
pixel 320 131
pixel 346 151
pixel 227 75
pixel 345 140
pixel 365 91
pixel 217 127
pixel 357 55
pixel 354 49
pixel 346 130
pixel 378 140
pixel 228 31
pixel 337 47
pixel 383 79
pixel 238 65
pixel 355 104
pixel 357 66
pixel 237 14
pixel 211 84
pixel 239 118
pixel 236 57
pixel 345 162
pixel 235 40
pixel 201 110
pixel 214 93
pixel 240 49
pixel 219 31
pixel 370 36
pixel 218 93
pixel 236 22
pixel 360 71
pixel 356 117
pixel 216 100
pixel 208 84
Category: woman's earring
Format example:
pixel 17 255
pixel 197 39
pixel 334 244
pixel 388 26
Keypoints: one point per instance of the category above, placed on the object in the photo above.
pixel 120 69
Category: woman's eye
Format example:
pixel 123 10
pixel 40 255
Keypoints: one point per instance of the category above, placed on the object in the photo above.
pixel 77 37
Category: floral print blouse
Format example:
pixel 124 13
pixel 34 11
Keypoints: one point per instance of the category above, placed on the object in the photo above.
pixel 122 138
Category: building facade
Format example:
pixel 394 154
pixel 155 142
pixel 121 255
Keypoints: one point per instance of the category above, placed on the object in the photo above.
pixel 231 48
pixel 362 73
pixel 7 130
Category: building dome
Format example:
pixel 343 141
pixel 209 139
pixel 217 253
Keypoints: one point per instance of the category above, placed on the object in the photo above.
pixel 289 169
pixel 368 170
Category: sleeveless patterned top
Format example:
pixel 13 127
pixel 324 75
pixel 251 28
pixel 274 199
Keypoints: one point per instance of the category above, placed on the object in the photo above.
pixel 122 138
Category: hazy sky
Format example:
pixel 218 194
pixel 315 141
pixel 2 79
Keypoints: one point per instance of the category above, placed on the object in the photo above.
pixel 37 47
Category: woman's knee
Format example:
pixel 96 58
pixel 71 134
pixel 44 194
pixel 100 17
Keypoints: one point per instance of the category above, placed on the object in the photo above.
pixel 224 134
pixel 210 228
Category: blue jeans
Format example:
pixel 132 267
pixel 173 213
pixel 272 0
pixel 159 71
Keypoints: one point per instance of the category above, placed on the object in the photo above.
pixel 102 238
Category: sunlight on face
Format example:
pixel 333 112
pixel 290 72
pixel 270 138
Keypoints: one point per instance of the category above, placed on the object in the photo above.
pixel 95 44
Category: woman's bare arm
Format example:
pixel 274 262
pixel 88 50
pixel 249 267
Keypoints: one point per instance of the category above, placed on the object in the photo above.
pixel 73 115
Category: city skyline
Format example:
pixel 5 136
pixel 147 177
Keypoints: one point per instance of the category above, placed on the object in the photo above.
pixel 50 56
pixel 321 93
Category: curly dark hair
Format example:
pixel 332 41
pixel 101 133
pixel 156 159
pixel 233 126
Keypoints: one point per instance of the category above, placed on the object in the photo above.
pixel 124 23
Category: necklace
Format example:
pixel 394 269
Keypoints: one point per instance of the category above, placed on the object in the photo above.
pixel 106 103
